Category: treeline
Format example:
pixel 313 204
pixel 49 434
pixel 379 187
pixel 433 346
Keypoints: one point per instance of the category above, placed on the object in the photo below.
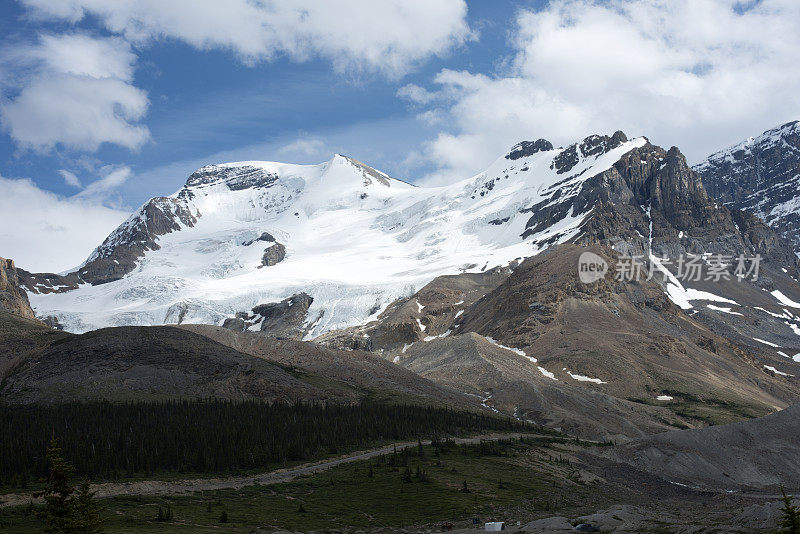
pixel 113 440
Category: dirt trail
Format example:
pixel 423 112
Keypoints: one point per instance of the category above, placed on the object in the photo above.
pixel 177 487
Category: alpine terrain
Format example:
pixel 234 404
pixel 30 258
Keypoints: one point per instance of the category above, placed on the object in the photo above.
pixel 335 283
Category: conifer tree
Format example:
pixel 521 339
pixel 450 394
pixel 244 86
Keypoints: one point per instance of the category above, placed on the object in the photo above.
pixel 66 510
pixel 790 521
pixel 86 511
pixel 58 492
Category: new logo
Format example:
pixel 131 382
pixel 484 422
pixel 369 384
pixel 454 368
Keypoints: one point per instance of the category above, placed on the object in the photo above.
pixel 591 267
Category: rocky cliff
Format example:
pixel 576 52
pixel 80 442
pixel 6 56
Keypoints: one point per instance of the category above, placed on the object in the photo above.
pixel 12 297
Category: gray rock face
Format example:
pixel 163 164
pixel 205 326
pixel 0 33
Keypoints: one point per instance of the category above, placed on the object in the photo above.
pixel 12 297
pixel 285 318
pixel 761 176
pixel 47 282
pixel 236 178
pixel 529 148
pixel 273 255
pixel 369 174
pixel 235 323
pixel 684 217
pixel 117 255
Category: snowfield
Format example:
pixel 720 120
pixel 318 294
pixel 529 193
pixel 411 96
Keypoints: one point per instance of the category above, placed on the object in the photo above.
pixel 356 240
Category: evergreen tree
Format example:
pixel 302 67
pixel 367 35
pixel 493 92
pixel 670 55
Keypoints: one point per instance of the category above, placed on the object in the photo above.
pixel 790 521
pixel 86 511
pixel 58 491
pixel 66 510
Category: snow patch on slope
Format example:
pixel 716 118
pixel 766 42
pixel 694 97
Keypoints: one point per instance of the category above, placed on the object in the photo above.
pixel 547 373
pixel 512 349
pixel 583 378
pixel 783 299
pixel 766 343
pixel 781 373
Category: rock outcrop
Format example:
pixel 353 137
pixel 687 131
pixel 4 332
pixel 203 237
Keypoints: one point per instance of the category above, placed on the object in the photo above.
pixel 273 255
pixel 12 297
pixel 653 193
pixel 285 318
pixel 118 254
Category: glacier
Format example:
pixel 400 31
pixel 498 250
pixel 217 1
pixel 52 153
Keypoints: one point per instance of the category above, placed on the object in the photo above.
pixel 356 239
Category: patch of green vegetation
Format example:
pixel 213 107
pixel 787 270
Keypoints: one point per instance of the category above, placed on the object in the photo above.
pixel 421 485
pixel 710 408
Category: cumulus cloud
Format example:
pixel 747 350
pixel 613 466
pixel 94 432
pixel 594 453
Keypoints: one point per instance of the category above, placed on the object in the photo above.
pixel 76 92
pixel 45 232
pixel 83 55
pixel 389 36
pixel 700 74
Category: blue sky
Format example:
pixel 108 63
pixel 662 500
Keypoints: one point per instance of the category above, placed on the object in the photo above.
pixel 207 104
pixel 104 105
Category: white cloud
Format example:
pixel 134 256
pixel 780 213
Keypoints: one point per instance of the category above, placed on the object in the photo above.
pixel 389 36
pixel 70 178
pixel 416 94
pixel 113 178
pixel 700 74
pixel 304 147
pixel 76 93
pixel 83 55
pixel 44 232
pixel 76 112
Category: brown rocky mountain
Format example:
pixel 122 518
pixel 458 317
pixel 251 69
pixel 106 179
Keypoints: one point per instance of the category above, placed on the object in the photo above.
pixel 43 365
pixel 704 351
pixel 607 359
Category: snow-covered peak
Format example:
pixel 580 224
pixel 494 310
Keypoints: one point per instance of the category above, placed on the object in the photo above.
pixel 350 236
pixel 741 150
pixel 339 170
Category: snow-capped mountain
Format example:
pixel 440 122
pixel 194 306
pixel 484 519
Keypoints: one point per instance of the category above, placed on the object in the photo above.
pixel 242 234
pixel 348 256
pixel 300 250
pixel 761 175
